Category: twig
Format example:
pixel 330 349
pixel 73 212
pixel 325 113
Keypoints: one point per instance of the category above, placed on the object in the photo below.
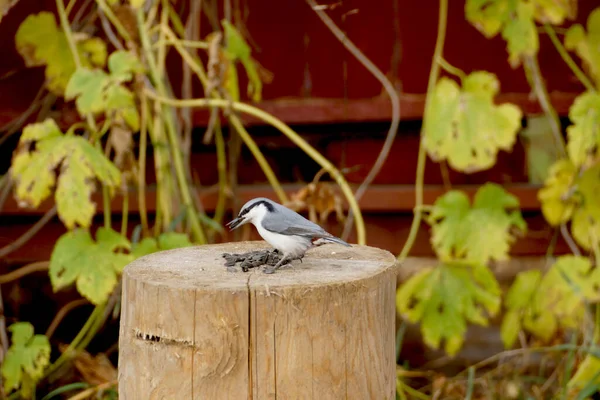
pixel 62 313
pixel 25 237
pixel 25 270
pixel 142 162
pixel 570 242
pixel 389 88
pixel 110 34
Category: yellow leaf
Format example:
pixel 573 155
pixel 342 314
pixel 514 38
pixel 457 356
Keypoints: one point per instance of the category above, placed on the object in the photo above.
pixel 33 170
pixel 587 46
pixel 41 43
pixel 481 233
pixel 557 202
pixel 465 127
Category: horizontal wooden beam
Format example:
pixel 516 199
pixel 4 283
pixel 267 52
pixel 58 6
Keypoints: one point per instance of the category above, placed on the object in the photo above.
pixel 300 111
pixel 297 111
pixel 377 198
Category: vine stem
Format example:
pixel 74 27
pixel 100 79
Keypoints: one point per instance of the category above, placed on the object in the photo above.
pixel 178 162
pixel 142 163
pixel 60 315
pixel 286 130
pixel 394 99
pixel 532 70
pixel 451 69
pixel 422 157
pixel 564 54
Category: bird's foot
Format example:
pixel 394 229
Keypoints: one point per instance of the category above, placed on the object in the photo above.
pixel 286 261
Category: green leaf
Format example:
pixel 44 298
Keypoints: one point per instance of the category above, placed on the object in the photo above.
pixel 584 134
pixel 543 304
pixel 588 372
pixel 87 86
pixel 166 241
pixel 557 204
pixel 445 298
pixel 520 34
pixel 26 358
pixel 173 240
pixel 41 43
pixel 447 216
pixel 587 46
pixel 515 19
pixel 92 266
pixel 33 171
pixel 144 247
pixel 96 92
pixel 518 297
pixel 553 11
pixel 123 64
pixel 586 218
pixel 238 49
pixel 465 127
pixel 510 328
pixel 120 103
pixel 481 233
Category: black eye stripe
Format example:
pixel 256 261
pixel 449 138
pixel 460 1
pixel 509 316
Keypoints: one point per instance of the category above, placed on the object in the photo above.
pixel 245 211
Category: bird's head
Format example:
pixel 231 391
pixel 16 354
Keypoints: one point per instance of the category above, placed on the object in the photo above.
pixel 253 211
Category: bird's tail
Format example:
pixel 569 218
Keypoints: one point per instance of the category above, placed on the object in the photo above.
pixel 332 239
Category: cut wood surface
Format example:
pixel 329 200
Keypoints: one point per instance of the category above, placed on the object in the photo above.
pixel 322 329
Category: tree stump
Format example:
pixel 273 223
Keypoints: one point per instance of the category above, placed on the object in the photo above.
pixel 322 329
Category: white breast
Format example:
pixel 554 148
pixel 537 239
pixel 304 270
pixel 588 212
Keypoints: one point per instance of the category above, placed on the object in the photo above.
pixel 292 245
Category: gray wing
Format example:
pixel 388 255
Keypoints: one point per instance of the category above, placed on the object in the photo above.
pixel 292 223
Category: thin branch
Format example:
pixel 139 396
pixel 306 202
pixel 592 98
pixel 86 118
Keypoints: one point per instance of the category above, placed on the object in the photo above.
pixel 25 237
pixel 23 271
pixel 60 315
pixel 394 99
pixel 570 242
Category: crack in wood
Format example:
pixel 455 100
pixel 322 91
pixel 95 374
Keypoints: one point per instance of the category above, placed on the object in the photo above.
pixel 148 337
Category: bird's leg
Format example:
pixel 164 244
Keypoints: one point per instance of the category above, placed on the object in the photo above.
pixel 270 270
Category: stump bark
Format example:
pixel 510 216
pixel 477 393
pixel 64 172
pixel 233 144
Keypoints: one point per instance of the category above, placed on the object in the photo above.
pixel 322 329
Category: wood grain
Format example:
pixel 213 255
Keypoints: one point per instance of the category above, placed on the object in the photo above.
pixel 322 329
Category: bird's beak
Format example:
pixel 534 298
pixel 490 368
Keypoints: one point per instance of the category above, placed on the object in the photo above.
pixel 235 223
